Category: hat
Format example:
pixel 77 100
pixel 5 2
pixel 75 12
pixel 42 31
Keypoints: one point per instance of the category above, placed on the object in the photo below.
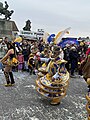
pixel 45 50
pixel 56 48
pixel 31 55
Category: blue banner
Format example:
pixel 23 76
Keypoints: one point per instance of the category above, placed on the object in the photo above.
pixel 69 41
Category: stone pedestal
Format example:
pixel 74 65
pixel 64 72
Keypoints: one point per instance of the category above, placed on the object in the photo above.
pixel 8 28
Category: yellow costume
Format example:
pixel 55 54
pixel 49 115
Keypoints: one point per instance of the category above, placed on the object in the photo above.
pixel 88 99
pixel 53 89
pixel 54 84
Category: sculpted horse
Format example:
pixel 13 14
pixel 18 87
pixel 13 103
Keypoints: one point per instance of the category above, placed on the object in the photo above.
pixel 4 11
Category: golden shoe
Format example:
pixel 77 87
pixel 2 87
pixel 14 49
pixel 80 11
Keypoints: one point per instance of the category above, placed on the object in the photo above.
pixel 7 85
pixel 55 101
pixel 12 84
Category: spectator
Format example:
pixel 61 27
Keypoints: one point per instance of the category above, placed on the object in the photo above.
pixel 73 60
pixel 20 58
pixel 66 56
pixel 26 52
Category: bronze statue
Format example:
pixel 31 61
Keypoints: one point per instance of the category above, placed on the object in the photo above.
pixel 8 14
pixel 4 11
pixel 6 5
pixel 27 26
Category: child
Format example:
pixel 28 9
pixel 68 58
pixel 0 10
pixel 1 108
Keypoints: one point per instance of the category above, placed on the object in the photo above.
pixel 20 58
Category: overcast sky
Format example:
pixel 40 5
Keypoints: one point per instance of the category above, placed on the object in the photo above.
pixel 53 15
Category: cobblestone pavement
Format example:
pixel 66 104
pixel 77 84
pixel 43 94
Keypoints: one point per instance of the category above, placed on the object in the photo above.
pixel 22 102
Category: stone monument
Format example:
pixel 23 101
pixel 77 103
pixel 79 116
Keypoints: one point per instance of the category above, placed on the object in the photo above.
pixel 27 26
pixel 7 27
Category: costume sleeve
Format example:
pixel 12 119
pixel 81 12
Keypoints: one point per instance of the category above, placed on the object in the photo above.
pixel 56 75
pixel 44 59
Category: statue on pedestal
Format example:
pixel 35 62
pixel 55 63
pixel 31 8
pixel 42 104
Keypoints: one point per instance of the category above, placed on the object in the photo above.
pixel 27 26
pixel 4 11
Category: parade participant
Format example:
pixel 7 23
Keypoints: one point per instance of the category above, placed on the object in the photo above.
pixel 61 69
pixel 85 66
pixel 61 55
pixel 8 60
pixel 31 64
pixel 51 66
pixel 88 50
pixel 53 85
pixel 44 53
pixel 48 59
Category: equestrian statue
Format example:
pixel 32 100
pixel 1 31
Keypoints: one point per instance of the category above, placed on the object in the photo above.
pixel 4 11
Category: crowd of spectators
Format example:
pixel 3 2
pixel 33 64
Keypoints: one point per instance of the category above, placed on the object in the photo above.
pixel 27 52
